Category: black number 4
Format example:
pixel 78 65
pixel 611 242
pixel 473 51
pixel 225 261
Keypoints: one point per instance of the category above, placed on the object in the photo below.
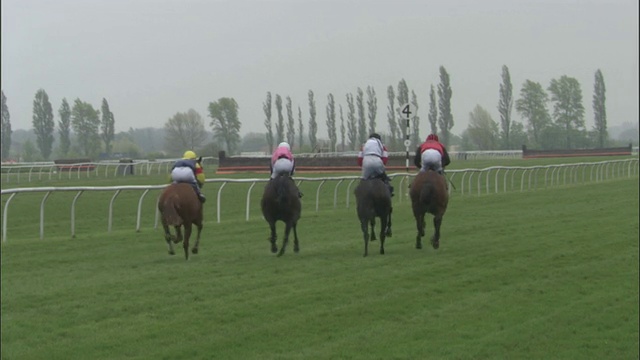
pixel 406 110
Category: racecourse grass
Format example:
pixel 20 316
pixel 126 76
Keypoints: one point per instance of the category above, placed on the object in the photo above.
pixel 542 274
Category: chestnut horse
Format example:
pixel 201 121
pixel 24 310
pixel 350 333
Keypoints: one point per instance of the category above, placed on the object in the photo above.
pixel 179 206
pixel 280 201
pixel 374 200
pixel 429 194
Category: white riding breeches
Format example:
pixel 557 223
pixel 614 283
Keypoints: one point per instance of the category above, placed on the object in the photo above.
pixel 183 174
pixel 371 166
pixel 282 166
pixel 431 158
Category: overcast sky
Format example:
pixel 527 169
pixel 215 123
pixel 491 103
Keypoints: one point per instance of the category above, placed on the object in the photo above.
pixel 153 58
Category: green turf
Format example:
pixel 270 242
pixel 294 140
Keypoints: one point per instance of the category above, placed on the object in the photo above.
pixel 551 273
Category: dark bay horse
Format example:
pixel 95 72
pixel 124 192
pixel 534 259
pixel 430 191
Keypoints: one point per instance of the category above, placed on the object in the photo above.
pixel 280 201
pixel 179 206
pixel 429 195
pixel 374 200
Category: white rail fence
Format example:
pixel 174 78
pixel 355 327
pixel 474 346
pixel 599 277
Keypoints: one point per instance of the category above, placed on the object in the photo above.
pixel 466 182
pixel 48 170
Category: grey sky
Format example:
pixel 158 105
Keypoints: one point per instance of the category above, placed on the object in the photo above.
pixel 153 58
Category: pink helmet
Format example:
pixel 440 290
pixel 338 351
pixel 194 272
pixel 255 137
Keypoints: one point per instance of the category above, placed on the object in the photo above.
pixel 432 137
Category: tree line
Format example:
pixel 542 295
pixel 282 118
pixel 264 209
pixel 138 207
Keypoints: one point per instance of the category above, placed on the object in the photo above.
pixel 92 127
pixel 85 131
pixel 348 126
pixel 564 127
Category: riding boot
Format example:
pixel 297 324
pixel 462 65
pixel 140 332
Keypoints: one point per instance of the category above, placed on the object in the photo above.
pixel 387 181
pixel 200 194
pixel 300 194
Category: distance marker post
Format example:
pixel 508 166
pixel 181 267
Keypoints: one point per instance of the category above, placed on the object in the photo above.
pixel 408 112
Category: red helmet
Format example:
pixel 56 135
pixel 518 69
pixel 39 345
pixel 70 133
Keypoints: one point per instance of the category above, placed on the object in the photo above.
pixel 432 137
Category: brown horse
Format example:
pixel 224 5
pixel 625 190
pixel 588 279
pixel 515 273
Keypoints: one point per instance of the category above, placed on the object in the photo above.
pixel 179 206
pixel 374 200
pixel 280 201
pixel 429 195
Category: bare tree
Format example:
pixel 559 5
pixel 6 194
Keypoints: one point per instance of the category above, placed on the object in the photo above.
pixel 300 129
pixel 599 109
pixel 433 111
pixel 331 122
pixel 313 125
pixel 372 107
pixel 505 105
pixel 291 130
pixel 352 127
pixel 280 123
pixel 444 95
pixel 184 131
pixel 266 106
pixel 6 128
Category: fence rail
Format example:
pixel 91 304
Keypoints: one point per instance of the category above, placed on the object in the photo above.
pixel 29 172
pixel 465 182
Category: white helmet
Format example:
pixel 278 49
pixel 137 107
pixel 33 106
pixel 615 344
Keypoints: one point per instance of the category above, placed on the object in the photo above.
pixel 285 144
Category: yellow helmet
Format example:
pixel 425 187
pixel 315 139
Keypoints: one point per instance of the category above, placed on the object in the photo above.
pixel 189 155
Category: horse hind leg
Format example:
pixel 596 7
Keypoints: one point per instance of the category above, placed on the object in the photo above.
pixel 388 231
pixel 197 244
pixel 296 244
pixel 178 238
pixel 287 230
pixel 372 237
pixel 420 226
pixel 383 233
pixel 273 237
pixel 435 239
pixel 168 238
pixel 187 235
pixel 364 224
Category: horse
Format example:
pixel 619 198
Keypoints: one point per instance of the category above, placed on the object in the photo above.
pixel 281 201
pixel 179 206
pixel 374 200
pixel 429 194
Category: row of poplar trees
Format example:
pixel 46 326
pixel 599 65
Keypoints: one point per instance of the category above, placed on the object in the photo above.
pixel 356 121
pixel 91 127
pixel 566 121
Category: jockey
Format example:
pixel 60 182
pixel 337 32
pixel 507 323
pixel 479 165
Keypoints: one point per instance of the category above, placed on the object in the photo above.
pixel 189 170
pixel 282 162
pixel 431 154
pixel 372 158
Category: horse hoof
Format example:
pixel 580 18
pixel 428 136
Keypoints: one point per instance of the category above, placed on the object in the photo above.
pixel 172 252
pixel 194 250
pixel 381 251
pixel 388 233
pixel 418 246
pixel 436 245
pixel 274 250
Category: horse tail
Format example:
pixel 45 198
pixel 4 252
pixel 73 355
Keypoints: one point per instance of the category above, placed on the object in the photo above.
pixel 428 192
pixel 281 191
pixel 170 211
